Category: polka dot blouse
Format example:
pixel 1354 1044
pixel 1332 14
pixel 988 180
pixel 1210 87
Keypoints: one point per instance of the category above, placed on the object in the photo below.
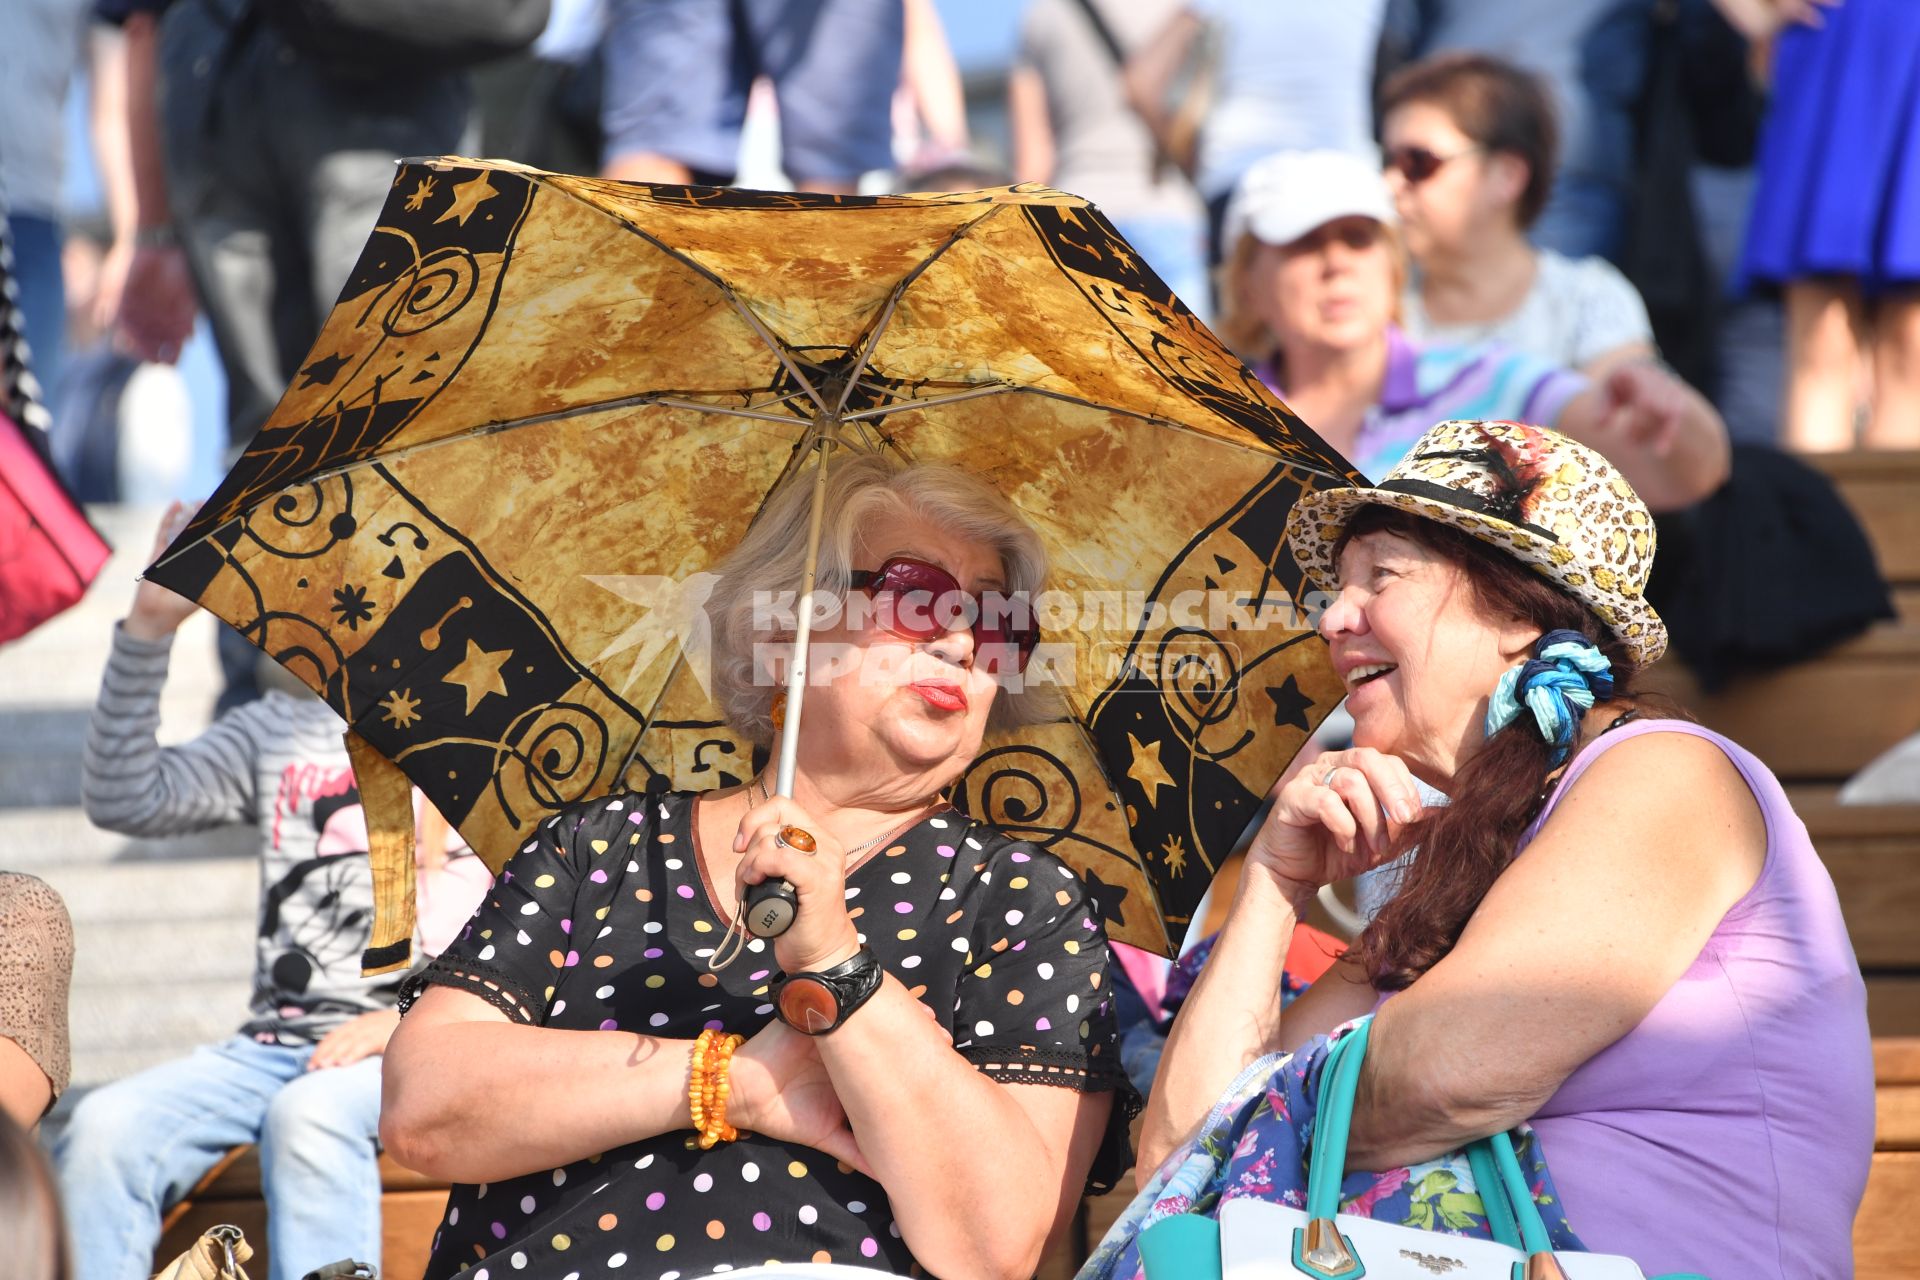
pixel 605 920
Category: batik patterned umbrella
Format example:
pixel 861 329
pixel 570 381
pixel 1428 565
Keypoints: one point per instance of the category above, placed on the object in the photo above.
pixel 544 401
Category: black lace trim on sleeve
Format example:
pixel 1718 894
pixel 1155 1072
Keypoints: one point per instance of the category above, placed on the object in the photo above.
pixel 1071 1069
pixel 1025 1064
pixel 482 980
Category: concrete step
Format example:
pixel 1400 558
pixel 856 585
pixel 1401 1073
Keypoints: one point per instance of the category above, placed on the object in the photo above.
pixel 60 664
pixel 47 692
pixel 163 929
pixel 114 1026
pixel 61 836
pixel 215 950
pixel 185 893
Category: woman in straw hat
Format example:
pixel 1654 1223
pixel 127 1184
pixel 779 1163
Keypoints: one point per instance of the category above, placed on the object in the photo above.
pixel 1617 929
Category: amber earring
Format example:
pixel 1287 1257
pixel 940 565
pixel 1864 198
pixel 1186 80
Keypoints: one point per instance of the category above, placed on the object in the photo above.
pixel 778 711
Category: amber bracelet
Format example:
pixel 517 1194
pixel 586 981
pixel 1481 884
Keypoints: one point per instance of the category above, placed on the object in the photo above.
pixel 696 1077
pixel 708 1085
pixel 720 1085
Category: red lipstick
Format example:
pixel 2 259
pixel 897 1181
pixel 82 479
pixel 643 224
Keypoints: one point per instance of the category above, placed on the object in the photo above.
pixel 945 696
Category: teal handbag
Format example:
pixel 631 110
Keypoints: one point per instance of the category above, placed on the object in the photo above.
pixel 1257 1239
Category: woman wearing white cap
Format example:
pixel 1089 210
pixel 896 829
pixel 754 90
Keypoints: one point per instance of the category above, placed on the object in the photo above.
pixel 1313 277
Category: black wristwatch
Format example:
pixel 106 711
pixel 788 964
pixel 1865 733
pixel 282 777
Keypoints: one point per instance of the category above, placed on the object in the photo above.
pixel 815 1003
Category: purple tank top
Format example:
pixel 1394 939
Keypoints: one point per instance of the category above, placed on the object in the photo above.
pixel 1729 1133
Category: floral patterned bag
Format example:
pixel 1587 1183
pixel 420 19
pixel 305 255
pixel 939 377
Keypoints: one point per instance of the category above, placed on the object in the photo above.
pixel 1256 1143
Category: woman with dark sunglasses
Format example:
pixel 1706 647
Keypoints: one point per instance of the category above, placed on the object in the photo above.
pixel 1311 296
pixel 1470 148
pixel 919 1071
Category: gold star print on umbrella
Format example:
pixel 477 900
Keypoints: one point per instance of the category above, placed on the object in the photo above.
pixel 543 405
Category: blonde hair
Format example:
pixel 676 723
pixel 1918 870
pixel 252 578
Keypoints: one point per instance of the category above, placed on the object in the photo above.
pixel 1240 325
pixel 770 563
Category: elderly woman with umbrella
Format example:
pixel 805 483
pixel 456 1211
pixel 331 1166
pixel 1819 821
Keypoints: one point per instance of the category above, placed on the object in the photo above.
pixel 639 374
pixel 931 1031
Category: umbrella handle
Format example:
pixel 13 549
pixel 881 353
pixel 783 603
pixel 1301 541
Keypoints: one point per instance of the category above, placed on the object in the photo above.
pixel 797 675
pixel 772 904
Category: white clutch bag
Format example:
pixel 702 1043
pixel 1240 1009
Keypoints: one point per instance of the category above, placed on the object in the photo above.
pixel 809 1271
pixel 1260 1240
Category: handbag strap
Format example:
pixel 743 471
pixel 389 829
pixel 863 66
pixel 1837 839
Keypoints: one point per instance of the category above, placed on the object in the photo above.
pixel 1102 29
pixel 1333 1120
pixel 1512 1216
pixel 1104 32
pixel 1519 1197
pixel 1493 1195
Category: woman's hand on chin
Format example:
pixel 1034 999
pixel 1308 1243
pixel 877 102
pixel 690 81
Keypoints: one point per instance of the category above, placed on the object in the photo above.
pixel 822 933
pixel 1334 819
pixel 781 1089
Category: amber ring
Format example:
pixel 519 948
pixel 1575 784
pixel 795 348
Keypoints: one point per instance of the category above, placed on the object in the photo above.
pixel 797 838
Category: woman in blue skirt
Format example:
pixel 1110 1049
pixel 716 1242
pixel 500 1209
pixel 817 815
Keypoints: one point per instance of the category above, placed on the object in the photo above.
pixel 1836 219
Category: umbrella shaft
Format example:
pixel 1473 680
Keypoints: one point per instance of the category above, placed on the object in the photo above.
pixel 797 675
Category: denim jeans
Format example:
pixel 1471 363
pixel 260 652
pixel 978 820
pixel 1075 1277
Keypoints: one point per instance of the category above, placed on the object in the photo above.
pixel 277 169
pixel 43 296
pixel 135 1147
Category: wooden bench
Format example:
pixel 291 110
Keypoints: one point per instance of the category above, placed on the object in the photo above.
pixel 1886 1234
pixel 1873 854
pixel 411 1206
pixel 1819 720
pixel 1822 719
pixel 1881 486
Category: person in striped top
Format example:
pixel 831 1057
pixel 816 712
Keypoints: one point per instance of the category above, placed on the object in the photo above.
pixel 301 1076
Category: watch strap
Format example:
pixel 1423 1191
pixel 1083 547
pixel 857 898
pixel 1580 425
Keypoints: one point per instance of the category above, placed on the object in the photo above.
pixel 817 1002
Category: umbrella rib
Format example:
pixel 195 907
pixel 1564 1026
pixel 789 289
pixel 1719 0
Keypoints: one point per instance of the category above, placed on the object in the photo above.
pixel 746 313
pixel 872 344
pixel 785 419
pixel 778 348
pixel 541 419
pixel 907 404
pixel 998 388
pixel 652 714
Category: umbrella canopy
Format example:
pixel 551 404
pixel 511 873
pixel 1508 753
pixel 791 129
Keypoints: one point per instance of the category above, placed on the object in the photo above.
pixel 544 404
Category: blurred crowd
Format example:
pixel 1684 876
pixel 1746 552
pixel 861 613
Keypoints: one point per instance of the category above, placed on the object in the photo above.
pixel 1654 195
pixel 1685 232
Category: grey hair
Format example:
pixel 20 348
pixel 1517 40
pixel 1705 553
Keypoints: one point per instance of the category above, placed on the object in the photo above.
pixel 770 563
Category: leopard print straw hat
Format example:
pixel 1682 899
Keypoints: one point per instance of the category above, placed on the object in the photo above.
pixel 1545 500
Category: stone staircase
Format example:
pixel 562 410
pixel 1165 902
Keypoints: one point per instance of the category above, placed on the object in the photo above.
pixel 163 928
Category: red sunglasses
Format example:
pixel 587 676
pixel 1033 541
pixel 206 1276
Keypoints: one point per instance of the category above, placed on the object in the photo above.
pixel 1417 164
pixel 919 601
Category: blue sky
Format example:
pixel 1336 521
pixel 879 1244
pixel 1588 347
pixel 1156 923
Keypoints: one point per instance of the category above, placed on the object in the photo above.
pixel 982 32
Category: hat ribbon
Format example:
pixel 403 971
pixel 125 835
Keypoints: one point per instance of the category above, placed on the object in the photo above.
pixel 1566 672
pixel 1502 508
